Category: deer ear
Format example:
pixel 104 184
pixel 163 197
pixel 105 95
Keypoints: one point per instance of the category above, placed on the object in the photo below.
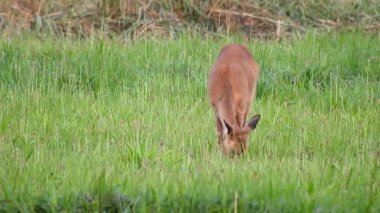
pixel 227 129
pixel 252 123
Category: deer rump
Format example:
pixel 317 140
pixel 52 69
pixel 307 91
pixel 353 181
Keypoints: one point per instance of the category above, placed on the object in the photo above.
pixel 231 89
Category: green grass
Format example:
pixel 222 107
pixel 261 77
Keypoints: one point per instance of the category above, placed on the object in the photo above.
pixel 109 124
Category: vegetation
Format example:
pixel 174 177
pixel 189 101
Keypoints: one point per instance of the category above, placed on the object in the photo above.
pixel 103 106
pixel 136 19
pixel 101 124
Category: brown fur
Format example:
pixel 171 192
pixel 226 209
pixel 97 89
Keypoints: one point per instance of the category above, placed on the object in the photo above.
pixel 231 89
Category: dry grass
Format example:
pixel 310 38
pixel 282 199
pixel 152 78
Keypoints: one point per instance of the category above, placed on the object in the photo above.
pixel 134 19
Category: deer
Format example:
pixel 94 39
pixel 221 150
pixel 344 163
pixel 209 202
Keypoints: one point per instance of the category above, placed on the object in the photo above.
pixel 232 85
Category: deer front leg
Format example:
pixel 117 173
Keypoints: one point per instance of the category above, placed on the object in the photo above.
pixel 219 127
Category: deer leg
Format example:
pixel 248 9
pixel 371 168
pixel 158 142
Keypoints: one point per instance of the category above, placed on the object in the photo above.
pixel 240 119
pixel 219 126
pixel 241 114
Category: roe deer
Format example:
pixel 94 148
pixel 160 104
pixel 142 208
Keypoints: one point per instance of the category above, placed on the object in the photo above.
pixel 231 89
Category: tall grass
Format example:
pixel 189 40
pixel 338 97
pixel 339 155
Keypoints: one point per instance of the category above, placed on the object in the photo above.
pixel 136 19
pixel 109 124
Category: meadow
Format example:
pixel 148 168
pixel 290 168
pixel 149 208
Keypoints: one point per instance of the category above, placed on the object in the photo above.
pixel 103 124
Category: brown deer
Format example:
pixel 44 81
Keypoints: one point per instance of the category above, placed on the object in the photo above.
pixel 231 89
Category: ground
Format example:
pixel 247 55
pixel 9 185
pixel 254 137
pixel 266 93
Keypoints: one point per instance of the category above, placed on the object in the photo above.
pixel 105 123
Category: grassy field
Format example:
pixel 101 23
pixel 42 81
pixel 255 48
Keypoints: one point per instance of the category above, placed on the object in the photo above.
pixel 101 124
